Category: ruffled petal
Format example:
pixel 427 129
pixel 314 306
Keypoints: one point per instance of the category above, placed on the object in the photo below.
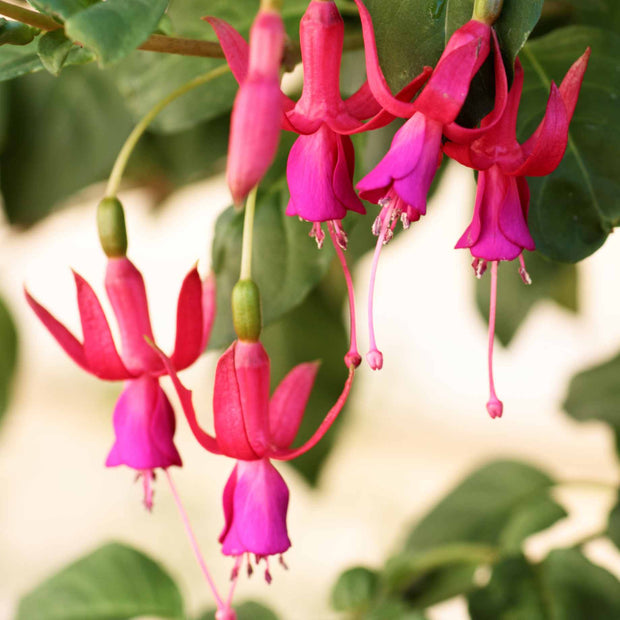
pixel 288 403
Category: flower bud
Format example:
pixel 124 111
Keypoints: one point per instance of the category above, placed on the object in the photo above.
pixel 487 11
pixel 246 310
pixel 111 227
pixel 257 111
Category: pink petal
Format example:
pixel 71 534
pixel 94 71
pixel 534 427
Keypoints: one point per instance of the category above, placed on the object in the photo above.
pixel 259 511
pixel 513 215
pixel 189 336
pixel 144 427
pixel 472 232
pixel 288 403
pixel 127 294
pixel 100 352
pixel 362 104
pixel 343 176
pixel 235 48
pixel 70 344
pixel 228 504
pixel 330 418
pixel 208 308
pixel 228 414
pixel 185 398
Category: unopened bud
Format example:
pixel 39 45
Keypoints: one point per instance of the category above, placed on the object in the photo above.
pixel 487 11
pixel 111 227
pixel 246 311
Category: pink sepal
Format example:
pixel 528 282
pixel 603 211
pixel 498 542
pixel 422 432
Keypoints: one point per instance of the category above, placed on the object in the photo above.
pixel 100 351
pixel 234 46
pixel 127 294
pixel 257 522
pixel 209 305
pixel 70 344
pixel 188 344
pixel 330 418
pixel 144 426
pixel 288 403
pixel 228 412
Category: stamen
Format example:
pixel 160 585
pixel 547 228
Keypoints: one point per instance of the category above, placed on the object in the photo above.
pixel 148 476
pixel 525 276
pixel 317 232
pixel 405 221
pixel 352 358
pixel 374 357
pixel 480 267
pixel 250 568
pixel 234 580
pixel 282 562
pixel 341 235
pixel 268 577
pixel 495 406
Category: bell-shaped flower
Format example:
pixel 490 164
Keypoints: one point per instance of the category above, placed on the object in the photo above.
pixel 257 112
pixel 252 427
pixel 402 179
pixel 322 160
pixel 144 422
pixel 499 229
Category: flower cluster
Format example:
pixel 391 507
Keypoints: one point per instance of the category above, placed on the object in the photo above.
pixel 251 426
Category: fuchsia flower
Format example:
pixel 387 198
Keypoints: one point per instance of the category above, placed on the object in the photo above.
pixel 254 428
pixel 322 160
pixel 401 181
pixel 257 111
pixel 144 422
pixel 499 229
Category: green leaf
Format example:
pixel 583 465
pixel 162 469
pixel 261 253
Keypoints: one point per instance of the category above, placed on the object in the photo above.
pixel 594 394
pixel 16 33
pixel 573 210
pixel 115 582
pixel 312 331
pixel 550 280
pixel 393 609
pixel 114 28
pixel 286 264
pixel 249 610
pixel 613 525
pixel 8 355
pixel 61 9
pixel 412 34
pixel 566 586
pixel 486 505
pixel 16 61
pixel 355 589
pixel 62 135
pixel 57 51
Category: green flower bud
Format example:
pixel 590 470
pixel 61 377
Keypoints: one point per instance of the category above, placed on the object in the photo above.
pixel 487 11
pixel 246 310
pixel 111 227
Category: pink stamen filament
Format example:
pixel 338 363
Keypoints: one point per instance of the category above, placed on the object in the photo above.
pixel 147 475
pixel 494 405
pixel 352 358
pixel 234 580
pixel 374 356
pixel 195 547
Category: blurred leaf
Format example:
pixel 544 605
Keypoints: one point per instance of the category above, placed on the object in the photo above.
pixel 18 60
pixel 412 34
pixel 573 210
pixel 8 356
pixel 486 505
pixel 355 590
pixel 564 586
pixel 114 28
pixel 550 280
pixel 393 609
pixel 312 331
pixel 16 33
pixel 250 610
pixel 286 264
pixel 62 135
pixel 56 52
pixel 594 394
pixel 613 525
pixel 61 9
pixel 598 13
pixel 115 582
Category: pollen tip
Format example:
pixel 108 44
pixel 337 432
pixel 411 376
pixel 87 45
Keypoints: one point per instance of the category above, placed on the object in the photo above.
pixel 495 407
pixel 375 359
pixel 352 358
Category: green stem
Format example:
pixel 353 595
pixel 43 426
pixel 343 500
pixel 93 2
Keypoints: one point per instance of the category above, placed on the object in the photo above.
pixel 125 153
pixel 248 229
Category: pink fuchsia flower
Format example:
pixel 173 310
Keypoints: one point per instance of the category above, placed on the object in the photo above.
pixel 144 421
pixel 499 229
pixel 322 160
pixel 254 428
pixel 401 181
pixel 257 112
